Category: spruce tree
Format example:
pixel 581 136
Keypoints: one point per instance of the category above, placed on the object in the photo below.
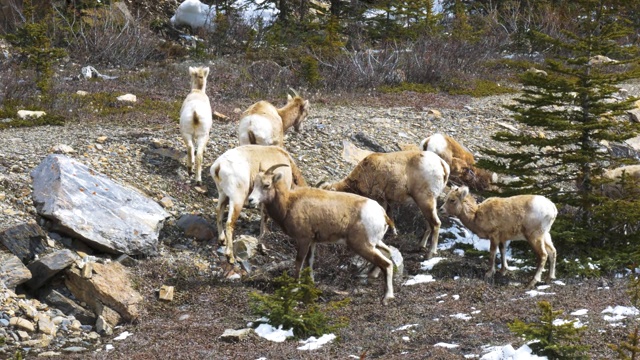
pixel 567 114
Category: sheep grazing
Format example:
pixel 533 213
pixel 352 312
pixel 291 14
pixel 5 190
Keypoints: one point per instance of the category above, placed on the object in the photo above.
pixel 264 124
pixel 460 160
pixel 399 177
pixel 521 217
pixel 614 188
pixel 313 216
pixel 196 120
pixel 234 171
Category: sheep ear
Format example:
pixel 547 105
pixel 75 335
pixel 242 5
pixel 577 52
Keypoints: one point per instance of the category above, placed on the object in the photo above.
pixel 464 191
pixel 277 177
pixel 206 71
pixel 306 104
pixel 192 70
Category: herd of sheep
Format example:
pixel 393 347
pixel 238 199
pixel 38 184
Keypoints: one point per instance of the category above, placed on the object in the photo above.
pixel 353 211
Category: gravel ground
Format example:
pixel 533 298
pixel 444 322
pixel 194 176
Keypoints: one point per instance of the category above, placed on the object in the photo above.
pixel 146 153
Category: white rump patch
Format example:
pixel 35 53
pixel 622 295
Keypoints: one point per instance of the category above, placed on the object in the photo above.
pixel 372 217
pixel 437 144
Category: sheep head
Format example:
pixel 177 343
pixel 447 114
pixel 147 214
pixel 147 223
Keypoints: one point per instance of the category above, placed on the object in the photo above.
pixel 454 201
pixel 302 107
pixel 199 77
pixel 264 186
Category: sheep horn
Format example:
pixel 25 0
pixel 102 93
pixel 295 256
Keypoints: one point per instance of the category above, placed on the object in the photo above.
pixel 271 169
pixel 294 92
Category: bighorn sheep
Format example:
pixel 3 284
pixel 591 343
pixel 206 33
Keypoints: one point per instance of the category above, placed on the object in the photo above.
pixel 521 217
pixel 234 172
pixel 460 160
pixel 313 216
pixel 196 120
pixel 614 189
pixel 398 177
pixel 264 124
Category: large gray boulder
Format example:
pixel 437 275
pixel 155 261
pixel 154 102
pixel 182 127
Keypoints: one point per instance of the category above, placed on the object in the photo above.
pixel 48 266
pixel 85 204
pixel 12 271
pixel 24 240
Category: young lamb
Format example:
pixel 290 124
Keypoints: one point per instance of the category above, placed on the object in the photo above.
pixel 460 160
pixel 521 217
pixel 264 124
pixel 234 172
pixel 399 177
pixel 313 216
pixel 196 120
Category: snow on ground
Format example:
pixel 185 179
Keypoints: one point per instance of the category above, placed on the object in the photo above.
pixel 314 343
pixel 270 333
pixel 509 353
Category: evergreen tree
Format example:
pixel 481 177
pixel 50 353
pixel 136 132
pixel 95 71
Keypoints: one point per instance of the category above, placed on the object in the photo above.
pixel 575 99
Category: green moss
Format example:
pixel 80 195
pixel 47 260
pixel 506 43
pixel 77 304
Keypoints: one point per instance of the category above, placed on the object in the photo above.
pixel 480 88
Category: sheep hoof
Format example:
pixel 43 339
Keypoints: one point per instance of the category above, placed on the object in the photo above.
pixel 386 299
pixel 198 183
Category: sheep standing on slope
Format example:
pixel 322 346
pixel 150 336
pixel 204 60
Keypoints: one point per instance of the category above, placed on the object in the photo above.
pixel 461 161
pixel 312 216
pixel 399 177
pixel 196 120
pixel 521 217
pixel 615 189
pixel 264 124
pixel 234 171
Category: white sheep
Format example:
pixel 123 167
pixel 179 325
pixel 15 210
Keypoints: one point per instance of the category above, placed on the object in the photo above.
pixel 234 172
pixel 196 120
pixel 521 217
pixel 264 124
pixel 398 177
pixel 312 216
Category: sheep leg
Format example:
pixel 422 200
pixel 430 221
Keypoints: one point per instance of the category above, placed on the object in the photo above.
pixel 492 260
pixel 541 254
pixel 223 200
pixel 551 250
pixel 264 230
pixel 234 213
pixel 310 257
pixel 201 143
pixel 188 140
pixel 303 250
pixel 374 272
pixel 428 206
pixel 375 257
pixel 503 257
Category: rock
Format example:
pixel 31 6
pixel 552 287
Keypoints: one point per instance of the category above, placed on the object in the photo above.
pixel 110 286
pixel 508 126
pixel 103 327
pixel 12 271
pixel 82 93
pixel 434 113
pixel 353 154
pixel 398 261
pixel 634 142
pixel 28 114
pixel 101 139
pixel 196 227
pixel 127 98
pixel 126 260
pixel 166 293
pixel 46 267
pixel 601 59
pixel 219 116
pixel 62 149
pixel 166 202
pixel 22 324
pixel 46 326
pixel 369 142
pixel 109 315
pixel 67 306
pixel 87 205
pixel 24 240
pixel 87 271
pixel 233 336
pixel 634 115
pixel 244 247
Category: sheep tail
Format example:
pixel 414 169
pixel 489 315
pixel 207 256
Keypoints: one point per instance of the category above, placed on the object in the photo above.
pixel 391 224
pixel 196 119
pixel 252 138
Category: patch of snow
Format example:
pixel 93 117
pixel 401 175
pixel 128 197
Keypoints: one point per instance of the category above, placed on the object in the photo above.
pixel 543 287
pixel 405 338
pixel 445 345
pixel 558 282
pixel 456 297
pixel 429 264
pixel 123 336
pixel 458 252
pixel 108 347
pixel 418 279
pixel 314 343
pixel 270 333
pixel 533 293
pixel 405 327
pixel 507 352
pixel 576 323
pixel 622 310
pixel 462 316
pixel 580 312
